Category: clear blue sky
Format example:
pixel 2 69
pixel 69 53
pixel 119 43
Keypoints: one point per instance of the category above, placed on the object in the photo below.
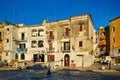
pixel 32 12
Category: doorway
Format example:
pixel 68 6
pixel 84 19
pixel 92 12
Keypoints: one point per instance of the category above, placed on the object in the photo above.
pixel 66 60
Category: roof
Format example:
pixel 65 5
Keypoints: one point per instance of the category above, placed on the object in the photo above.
pixel 115 18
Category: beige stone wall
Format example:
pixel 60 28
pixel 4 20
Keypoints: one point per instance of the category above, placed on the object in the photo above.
pixel 2 41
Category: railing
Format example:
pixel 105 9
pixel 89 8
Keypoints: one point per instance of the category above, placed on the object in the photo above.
pixel 50 37
pixel 22 40
pixel 65 50
pixel 24 49
pixel 50 51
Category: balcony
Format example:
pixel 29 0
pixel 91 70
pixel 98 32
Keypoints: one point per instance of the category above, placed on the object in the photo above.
pixel 22 39
pixel 24 49
pixel 50 50
pixel 65 50
pixel 50 37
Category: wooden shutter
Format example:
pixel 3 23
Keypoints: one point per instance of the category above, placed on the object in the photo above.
pixel 51 34
pixel 67 31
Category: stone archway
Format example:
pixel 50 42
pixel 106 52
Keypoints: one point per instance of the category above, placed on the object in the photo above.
pixel 66 60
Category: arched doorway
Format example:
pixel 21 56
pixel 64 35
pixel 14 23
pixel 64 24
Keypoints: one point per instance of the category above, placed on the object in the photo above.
pixel 66 60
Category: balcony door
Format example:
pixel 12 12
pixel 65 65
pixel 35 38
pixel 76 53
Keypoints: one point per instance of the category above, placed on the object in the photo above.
pixel 66 46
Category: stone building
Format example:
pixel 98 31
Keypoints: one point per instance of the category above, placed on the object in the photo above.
pixel 71 41
pixel 22 42
pixel 114 40
pixel 37 43
pixel 102 42
pixel 10 49
pixel 1 41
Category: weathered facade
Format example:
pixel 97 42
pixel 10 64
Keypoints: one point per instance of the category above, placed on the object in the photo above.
pixel 37 43
pixel 10 49
pixel 102 42
pixel 71 41
pixel 114 39
pixel 1 41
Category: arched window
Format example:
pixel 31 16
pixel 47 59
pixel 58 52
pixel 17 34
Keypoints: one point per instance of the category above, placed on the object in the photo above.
pixel 22 56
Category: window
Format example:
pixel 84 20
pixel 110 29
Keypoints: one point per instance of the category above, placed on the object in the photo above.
pixel 6 53
pixel 22 56
pixel 50 58
pixel 16 56
pixel 40 43
pixel 66 46
pixel 113 29
pixel 80 43
pixel 34 33
pixel 38 57
pixel 80 28
pixel 113 40
pixel 22 46
pixel 23 36
pixel 34 44
pixel 66 31
pixel 0 35
pixel 7 40
pixel 51 35
pixel 7 29
pixel 118 50
pixel 40 32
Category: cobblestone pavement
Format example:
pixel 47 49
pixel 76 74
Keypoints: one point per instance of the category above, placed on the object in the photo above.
pixel 59 75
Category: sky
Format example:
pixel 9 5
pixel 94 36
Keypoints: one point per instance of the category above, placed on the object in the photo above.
pixel 32 12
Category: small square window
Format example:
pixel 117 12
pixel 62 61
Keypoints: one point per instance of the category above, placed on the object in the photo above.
pixel 113 29
pixel 7 40
pixel 6 53
pixel 7 29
